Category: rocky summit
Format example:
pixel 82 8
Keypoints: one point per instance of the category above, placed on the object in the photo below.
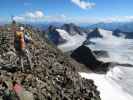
pixel 54 75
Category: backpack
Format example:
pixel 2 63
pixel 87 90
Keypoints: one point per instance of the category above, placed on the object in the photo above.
pixel 27 37
pixel 19 42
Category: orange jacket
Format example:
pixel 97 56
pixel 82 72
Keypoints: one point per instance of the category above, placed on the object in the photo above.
pixel 20 36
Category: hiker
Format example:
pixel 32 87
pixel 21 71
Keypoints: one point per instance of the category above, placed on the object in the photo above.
pixel 21 38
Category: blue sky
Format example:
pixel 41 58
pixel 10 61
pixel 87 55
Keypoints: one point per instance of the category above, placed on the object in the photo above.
pixel 80 11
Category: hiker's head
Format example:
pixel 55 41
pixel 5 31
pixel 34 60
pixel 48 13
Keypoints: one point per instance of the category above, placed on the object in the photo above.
pixel 21 28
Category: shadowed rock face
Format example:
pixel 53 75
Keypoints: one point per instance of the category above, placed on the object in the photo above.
pixel 94 34
pixel 54 36
pixel 72 29
pixel 54 76
pixel 119 33
pixel 85 56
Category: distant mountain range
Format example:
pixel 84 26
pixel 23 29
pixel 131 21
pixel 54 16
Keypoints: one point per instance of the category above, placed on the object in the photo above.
pixel 123 26
pixel 119 33
pixel 100 33
pixel 72 29
pixel 62 33
pixel 112 26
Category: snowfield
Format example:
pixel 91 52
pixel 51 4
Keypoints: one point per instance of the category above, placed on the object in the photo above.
pixel 109 89
pixel 73 42
pixel 117 83
pixel 108 38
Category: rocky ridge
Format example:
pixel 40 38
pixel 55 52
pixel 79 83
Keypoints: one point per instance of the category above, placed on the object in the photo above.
pixel 54 76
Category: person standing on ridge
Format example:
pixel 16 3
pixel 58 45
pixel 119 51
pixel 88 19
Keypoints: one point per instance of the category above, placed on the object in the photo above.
pixel 20 40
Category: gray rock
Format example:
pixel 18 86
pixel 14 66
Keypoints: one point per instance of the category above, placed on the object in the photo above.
pixel 54 75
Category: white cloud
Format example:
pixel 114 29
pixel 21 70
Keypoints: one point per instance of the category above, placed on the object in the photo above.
pixel 36 14
pixel 39 16
pixel 30 16
pixel 19 18
pixel 83 4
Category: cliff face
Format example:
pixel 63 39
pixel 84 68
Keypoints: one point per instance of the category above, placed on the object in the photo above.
pixel 54 76
pixel 72 29
pixel 85 56
pixel 54 35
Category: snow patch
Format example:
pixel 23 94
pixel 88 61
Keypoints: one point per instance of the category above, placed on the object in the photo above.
pixel 105 33
pixel 108 38
pixel 118 82
pixel 73 42
pixel 109 90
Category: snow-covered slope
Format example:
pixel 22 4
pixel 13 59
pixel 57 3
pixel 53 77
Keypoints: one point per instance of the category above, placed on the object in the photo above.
pixel 108 38
pixel 118 81
pixel 105 33
pixel 108 88
pixel 72 43
pixel 64 34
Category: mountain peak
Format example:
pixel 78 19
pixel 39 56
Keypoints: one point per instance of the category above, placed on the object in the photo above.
pixel 72 29
pixel 100 30
pixel 95 34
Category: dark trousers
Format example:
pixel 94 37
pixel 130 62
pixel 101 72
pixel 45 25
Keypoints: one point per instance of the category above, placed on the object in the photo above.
pixel 24 53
